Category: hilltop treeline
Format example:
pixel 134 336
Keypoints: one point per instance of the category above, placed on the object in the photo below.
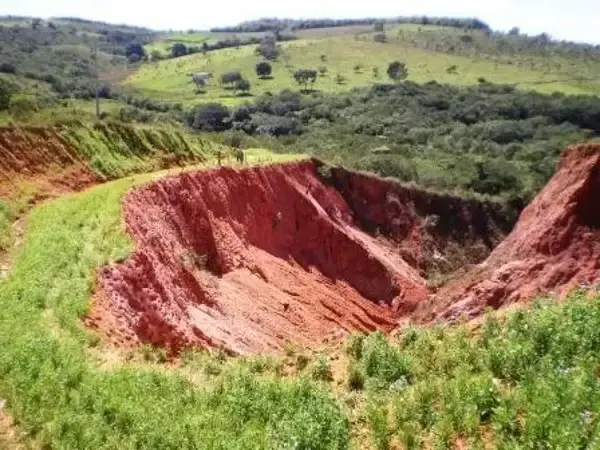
pixel 58 52
pixel 274 24
pixel 486 45
pixel 487 139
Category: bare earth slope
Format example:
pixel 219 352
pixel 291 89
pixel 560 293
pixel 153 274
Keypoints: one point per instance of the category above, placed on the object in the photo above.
pixel 554 247
pixel 248 259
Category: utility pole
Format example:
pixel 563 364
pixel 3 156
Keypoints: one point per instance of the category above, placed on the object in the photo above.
pixel 97 83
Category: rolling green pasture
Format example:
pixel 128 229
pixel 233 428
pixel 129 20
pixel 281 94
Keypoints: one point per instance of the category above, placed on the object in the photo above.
pixel 171 80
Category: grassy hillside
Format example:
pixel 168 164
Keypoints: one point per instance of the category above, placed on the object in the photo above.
pixel 420 47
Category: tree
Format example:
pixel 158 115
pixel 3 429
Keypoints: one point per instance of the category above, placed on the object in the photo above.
pixel 514 31
pixel 135 49
pixel 357 68
pixel 375 72
pixel 268 48
pixel 340 79
pixel 263 69
pixel 323 71
pixel 378 26
pixel 178 49
pixel 397 71
pixel 133 58
pixel 5 95
pixel 7 68
pixel 209 117
pixel 242 85
pixel 229 79
pixel 305 76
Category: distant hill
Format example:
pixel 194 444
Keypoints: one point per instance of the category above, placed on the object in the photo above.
pixel 275 24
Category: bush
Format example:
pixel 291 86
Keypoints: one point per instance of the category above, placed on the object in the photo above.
pixel 384 362
pixel 321 369
pixel 235 139
pixel 5 95
pixel 209 117
pixel 229 79
pixel 356 378
pixel 263 69
pixel 7 68
pixel 22 107
pixel 354 345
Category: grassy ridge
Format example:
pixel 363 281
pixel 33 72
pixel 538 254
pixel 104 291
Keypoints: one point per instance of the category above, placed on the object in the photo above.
pixel 114 150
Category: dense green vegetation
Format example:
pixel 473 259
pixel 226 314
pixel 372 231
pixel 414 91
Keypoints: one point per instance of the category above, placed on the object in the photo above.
pixel 530 381
pixel 59 52
pixel 487 139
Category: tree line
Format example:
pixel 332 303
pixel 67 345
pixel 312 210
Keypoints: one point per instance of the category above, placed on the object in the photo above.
pixel 273 24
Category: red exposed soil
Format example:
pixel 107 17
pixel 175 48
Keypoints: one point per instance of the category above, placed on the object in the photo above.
pixel 40 155
pixel 247 260
pixel 554 247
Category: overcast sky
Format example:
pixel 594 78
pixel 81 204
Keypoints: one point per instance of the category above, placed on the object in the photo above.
pixel 573 20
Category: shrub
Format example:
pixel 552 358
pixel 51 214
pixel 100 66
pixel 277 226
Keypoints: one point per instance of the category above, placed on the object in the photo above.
pixel 356 378
pixel 397 71
pixel 354 345
pixel 7 68
pixel 209 117
pixel 321 369
pixel 263 69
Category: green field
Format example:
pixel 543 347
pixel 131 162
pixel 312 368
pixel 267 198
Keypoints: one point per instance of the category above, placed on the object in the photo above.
pixel 344 49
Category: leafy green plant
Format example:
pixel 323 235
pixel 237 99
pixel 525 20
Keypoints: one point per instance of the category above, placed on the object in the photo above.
pixel 321 370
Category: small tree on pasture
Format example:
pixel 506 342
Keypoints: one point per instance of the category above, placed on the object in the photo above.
pixel 323 71
pixel 229 79
pixel 242 85
pixel 268 48
pixel 378 26
pixel 178 49
pixel 397 71
pixel 263 69
pixel 305 76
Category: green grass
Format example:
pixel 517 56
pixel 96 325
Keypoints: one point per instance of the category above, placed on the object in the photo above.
pixel 170 80
pixel 62 400
pixel 116 150
pixel 197 38
pixel 531 382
